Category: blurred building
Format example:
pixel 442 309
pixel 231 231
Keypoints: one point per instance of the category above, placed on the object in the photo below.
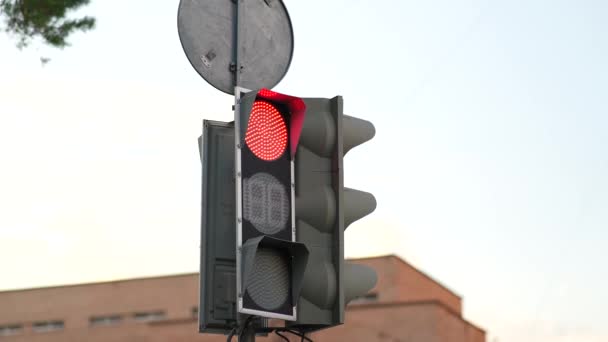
pixel 405 305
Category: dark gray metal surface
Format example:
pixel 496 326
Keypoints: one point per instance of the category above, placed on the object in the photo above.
pixel 217 307
pixel 208 33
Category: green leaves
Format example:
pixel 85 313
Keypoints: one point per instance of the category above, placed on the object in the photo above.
pixel 46 19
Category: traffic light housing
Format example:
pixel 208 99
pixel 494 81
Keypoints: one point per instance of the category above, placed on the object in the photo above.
pixel 217 279
pixel 324 209
pixel 270 263
pixel 274 213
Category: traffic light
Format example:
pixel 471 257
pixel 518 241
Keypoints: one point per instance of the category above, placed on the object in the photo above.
pixel 324 208
pixel 270 263
pixel 274 213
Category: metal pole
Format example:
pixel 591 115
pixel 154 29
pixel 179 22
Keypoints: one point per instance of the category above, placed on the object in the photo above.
pixel 238 18
pixel 248 335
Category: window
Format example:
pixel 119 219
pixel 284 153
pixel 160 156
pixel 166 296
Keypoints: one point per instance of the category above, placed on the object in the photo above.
pixel 11 329
pixel 105 320
pixel 149 316
pixel 47 326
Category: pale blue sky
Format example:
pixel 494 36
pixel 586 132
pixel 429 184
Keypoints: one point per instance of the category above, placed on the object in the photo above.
pixel 494 114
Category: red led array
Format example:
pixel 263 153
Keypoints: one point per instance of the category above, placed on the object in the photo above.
pixel 266 134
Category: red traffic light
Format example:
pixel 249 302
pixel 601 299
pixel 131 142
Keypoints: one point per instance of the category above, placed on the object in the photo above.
pixel 266 134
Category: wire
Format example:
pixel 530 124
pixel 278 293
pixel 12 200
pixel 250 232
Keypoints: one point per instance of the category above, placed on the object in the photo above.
pixel 245 325
pixel 282 336
pixel 232 332
pixel 237 331
pixel 277 331
pixel 305 338
pixel 297 333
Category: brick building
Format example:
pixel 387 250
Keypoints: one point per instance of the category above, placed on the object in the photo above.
pixel 405 305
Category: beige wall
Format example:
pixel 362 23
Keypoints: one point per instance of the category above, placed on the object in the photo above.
pixel 398 281
pixel 410 307
pixel 174 295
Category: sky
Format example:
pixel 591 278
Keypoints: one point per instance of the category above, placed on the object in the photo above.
pixel 489 164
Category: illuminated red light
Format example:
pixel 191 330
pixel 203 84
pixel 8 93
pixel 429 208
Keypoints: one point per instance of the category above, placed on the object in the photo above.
pixel 267 93
pixel 266 134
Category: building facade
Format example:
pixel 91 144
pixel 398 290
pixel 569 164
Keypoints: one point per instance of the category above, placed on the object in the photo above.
pixel 405 305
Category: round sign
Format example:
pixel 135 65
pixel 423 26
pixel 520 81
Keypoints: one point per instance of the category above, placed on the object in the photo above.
pixel 208 29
